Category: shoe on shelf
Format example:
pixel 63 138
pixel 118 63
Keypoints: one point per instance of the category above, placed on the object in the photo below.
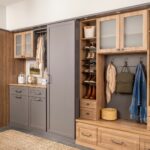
pixel 88 79
pixel 88 92
pixel 93 93
pixel 93 80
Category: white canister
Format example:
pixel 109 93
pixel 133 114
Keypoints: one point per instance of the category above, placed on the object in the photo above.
pixel 89 31
pixel 44 81
pixel 21 78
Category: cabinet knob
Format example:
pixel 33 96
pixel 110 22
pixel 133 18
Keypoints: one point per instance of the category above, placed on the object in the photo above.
pixel 88 114
pixel 87 104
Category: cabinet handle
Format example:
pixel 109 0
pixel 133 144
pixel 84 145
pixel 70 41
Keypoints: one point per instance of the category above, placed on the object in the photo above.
pixel 38 99
pixel 117 142
pixel 18 91
pixel 87 104
pixel 18 97
pixel 87 135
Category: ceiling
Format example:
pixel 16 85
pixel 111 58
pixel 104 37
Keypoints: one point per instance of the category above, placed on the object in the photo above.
pixel 8 2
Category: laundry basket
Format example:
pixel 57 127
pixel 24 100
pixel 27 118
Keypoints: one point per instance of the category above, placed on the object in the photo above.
pixel 89 31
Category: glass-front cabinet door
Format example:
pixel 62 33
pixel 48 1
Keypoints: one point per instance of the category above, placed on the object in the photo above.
pixel 108 34
pixel 134 31
pixel 28 44
pixel 18 45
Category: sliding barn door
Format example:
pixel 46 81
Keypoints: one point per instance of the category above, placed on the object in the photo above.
pixel 61 90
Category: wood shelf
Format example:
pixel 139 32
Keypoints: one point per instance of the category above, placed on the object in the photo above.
pixel 123 125
pixel 121 52
pixel 94 38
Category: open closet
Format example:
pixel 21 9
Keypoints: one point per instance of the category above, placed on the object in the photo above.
pixel 121 78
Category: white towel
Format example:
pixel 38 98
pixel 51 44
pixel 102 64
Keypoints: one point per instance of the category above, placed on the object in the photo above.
pixel 111 81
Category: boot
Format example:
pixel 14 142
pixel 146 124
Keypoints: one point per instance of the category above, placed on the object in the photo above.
pixel 93 93
pixel 88 93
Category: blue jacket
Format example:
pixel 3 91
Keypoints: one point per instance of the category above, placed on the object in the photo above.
pixel 138 107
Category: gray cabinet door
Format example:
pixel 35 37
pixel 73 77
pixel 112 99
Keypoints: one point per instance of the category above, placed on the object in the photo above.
pixel 37 113
pixel 61 91
pixel 19 110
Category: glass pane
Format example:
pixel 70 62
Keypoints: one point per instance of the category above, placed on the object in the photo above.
pixel 133 31
pixel 18 50
pixel 18 39
pixel 28 38
pixel 108 34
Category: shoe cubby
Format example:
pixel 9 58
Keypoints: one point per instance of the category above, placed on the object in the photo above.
pixel 88 71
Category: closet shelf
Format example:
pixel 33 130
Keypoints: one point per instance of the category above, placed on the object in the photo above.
pixel 121 52
pixel 94 38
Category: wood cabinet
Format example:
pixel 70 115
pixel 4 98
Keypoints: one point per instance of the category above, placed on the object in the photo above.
pixel 23 45
pixel 116 140
pixel 133 31
pixel 108 33
pixel 28 107
pixel 144 143
pixel 123 33
pixel 19 106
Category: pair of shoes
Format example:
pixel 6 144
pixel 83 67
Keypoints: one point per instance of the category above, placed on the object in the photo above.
pixel 89 70
pixel 90 79
pixel 91 55
pixel 91 93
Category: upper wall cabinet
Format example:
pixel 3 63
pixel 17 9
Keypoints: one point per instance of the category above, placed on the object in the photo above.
pixel 108 33
pixel 23 45
pixel 134 31
pixel 123 33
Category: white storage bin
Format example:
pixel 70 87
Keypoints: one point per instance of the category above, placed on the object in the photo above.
pixel 89 31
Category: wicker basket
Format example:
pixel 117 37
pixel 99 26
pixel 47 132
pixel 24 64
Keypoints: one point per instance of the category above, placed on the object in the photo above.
pixel 89 31
pixel 109 114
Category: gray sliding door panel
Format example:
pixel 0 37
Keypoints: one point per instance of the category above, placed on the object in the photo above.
pixel 61 97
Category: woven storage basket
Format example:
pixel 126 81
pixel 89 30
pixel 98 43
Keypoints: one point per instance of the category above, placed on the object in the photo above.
pixel 109 114
pixel 89 31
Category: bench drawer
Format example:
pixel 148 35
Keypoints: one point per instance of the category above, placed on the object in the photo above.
pixel 116 140
pixel 86 134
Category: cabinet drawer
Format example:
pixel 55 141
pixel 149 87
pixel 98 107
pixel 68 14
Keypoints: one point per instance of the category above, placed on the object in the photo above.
pixel 18 90
pixel 87 104
pixel 86 134
pixel 116 140
pixel 87 113
pixel 37 92
pixel 144 143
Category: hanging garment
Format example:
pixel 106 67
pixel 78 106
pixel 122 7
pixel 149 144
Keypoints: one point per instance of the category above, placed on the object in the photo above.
pixel 40 53
pixel 111 81
pixel 138 107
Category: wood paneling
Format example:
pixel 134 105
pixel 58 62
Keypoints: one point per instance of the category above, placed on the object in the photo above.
pixel 9 70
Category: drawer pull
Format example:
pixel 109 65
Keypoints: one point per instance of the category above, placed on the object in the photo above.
pixel 18 91
pixel 88 114
pixel 117 142
pixel 87 135
pixel 87 104
pixel 38 99
pixel 18 97
pixel 38 93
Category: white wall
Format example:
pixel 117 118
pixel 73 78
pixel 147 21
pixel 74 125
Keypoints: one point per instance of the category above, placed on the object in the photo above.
pixel 3 17
pixel 34 12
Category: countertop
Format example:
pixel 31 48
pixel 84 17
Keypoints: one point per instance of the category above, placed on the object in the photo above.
pixel 29 85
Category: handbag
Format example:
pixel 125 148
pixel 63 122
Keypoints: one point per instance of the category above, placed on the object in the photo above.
pixel 124 81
